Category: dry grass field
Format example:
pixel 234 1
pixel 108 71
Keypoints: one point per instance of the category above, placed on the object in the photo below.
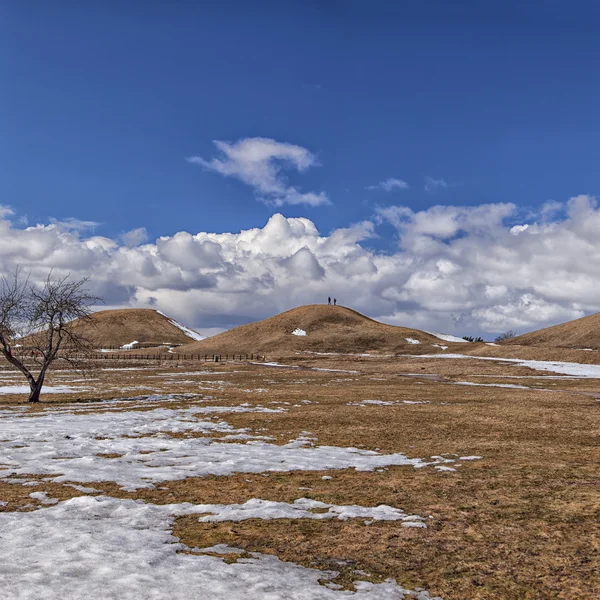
pixel 508 486
pixel 317 327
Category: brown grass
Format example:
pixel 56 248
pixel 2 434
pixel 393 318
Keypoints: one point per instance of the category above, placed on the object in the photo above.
pixel 114 328
pixel 328 328
pixel 580 333
pixel 522 523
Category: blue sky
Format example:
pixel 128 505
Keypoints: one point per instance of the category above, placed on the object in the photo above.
pixel 104 103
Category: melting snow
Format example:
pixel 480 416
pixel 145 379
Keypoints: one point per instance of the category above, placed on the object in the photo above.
pixel 300 332
pixel 189 332
pixel 412 341
pixel 43 498
pixel 299 509
pixel 116 548
pixel 129 346
pixel 74 447
pixel 386 402
pixel 500 385
pixel 24 389
pixel 446 337
pixel 566 368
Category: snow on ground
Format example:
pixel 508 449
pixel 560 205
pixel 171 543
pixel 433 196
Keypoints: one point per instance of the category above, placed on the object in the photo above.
pixel 97 546
pixel 69 446
pixel 386 402
pixel 300 509
pixel 566 368
pixel 500 385
pixel 412 341
pixel 129 346
pixel 24 389
pixel 189 332
pixel 276 364
pixel 544 377
pixel 446 337
pixel 299 332
pixel 440 346
pixel 332 370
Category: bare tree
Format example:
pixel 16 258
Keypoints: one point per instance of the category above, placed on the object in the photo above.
pixel 36 322
pixel 507 335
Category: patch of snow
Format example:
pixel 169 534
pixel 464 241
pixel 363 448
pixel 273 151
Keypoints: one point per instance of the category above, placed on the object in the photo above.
pixel 129 346
pixel 125 549
pixel 412 341
pixel 299 509
pixel 491 344
pixel 566 368
pixel 43 498
pixel 440 346
pixel 446 337
pixel 69 447
pixel 386 402
pixel 332 370
pixel 470 457
pixel 189 332
pixel 47 389
pixel 275 364
pixel 499 385
pixel 299 332
pixel 83 489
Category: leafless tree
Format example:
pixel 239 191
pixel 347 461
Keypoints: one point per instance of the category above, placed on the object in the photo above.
pixel 36 324
pixel 507 335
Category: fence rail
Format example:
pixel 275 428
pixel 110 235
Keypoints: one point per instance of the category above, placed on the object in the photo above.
pixel 167 357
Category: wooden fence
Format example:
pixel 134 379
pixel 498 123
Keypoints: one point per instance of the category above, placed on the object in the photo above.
pixel 169 357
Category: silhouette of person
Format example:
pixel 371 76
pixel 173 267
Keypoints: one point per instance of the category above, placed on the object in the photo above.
pixel 329 300
pixel 334 301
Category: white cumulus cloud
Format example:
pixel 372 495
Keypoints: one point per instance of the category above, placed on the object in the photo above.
pixel 259 162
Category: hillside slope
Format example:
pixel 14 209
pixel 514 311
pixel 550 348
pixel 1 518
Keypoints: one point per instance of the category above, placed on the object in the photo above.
pixel 316 328
pixel 148 327
pixel 580 333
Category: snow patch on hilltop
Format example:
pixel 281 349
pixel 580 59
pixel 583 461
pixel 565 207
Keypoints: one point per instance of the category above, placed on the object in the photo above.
pixel 198 337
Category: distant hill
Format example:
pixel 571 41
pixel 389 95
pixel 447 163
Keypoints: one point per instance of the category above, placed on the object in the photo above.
pixel 122 327
pixel 316 328
pixel 581 333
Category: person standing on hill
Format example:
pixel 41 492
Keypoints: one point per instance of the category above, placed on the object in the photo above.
pixel 334 301
pixel 329 300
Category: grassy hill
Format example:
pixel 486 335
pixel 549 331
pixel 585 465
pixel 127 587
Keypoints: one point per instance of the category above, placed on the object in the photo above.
pixel 316 328
pixel 580 333
pixel 148 327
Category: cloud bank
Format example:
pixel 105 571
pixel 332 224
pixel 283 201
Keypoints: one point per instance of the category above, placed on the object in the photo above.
pixel 455 269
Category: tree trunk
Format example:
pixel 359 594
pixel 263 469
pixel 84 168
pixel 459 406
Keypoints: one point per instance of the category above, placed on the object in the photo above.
pixel 36 389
